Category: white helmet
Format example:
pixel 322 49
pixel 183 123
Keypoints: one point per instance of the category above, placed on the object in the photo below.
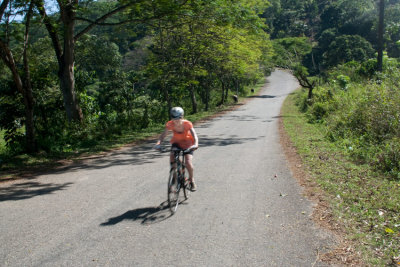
pixel 177 113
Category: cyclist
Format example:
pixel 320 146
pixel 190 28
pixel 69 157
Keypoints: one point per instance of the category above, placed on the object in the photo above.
pixel 184 137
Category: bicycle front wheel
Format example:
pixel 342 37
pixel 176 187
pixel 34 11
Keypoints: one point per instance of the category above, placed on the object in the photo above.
pixel 186 184
pixel 173 190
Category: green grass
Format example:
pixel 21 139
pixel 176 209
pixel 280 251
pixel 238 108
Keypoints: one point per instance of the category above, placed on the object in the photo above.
pixel 365 202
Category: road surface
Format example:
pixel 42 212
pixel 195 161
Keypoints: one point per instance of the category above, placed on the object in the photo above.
pixel 111 211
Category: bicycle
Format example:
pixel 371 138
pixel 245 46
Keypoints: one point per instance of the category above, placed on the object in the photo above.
pixel 178 179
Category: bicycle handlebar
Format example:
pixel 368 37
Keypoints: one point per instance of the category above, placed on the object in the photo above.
pixel 184 150
pixel 161 149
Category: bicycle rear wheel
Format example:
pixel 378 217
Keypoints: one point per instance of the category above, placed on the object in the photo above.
pixel 173 190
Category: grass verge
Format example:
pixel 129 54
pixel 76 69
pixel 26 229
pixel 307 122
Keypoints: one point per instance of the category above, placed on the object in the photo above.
pixel 364 204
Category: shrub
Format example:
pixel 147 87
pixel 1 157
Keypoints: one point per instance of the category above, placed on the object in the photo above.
pixel 388 159
pixel 343 81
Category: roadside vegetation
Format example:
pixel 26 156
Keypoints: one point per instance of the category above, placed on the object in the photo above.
pixel 363 199
pixel 345 121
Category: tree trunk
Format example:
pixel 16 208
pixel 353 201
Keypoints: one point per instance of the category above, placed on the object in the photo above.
pixel 207 98
pixel 30 125
pixel 226 93
pixel 310 93
pixel 164 90
pixel 66 64
pixel 28 92
pixel 380 34
pixel 223 93
pixel 193 98
pixel 67 84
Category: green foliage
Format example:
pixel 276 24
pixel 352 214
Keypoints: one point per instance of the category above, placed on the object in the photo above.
pixel 290 51
pixel 365 201
pixel 343 81
pixel 195 54
pixel 11 116
pixel 87 58
pixel 364 117
pixel 347 48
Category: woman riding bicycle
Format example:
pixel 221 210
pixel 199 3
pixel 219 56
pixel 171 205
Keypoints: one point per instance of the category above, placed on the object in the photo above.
pixel 184 137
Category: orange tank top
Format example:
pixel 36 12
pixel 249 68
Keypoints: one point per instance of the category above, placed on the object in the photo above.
pixel 183 139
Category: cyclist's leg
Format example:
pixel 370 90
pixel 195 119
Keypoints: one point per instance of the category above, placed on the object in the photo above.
pixel 189 167
pixel 172 156
pixel 172 160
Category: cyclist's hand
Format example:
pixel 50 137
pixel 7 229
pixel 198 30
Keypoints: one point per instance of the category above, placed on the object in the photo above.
pixel 157 147
pixel 192 148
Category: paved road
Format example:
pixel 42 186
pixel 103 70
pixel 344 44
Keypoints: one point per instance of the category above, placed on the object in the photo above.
pixel 111 211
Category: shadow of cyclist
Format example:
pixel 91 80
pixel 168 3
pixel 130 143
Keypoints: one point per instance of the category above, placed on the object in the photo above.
pixel 150 215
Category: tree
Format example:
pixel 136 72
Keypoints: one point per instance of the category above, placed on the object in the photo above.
pixel 346 48
pixel 220 42
pixel 140 11
pixel 22 83
pixel 392 30
pixel 301 74
pixel 380 33
pixel 290 51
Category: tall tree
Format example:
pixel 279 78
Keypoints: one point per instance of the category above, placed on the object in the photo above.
pixel 380 33
pixel 65 46
pixel 22 82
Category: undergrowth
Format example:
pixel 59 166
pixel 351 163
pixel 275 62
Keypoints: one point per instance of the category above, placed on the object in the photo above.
pixel 364 199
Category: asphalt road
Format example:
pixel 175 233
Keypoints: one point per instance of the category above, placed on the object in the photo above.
pixel 111 211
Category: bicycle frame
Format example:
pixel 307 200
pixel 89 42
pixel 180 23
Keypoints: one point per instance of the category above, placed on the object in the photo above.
pixel 177 174
pixel 180 163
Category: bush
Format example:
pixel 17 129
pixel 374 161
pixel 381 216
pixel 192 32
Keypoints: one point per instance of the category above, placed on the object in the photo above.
pixel 361 116
pixel 388 159
pixel 368 115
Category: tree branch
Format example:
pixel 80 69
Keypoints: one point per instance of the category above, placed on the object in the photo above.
pixel 94 23
pixel 50 28
pixel 7 56
pixel 3 7
pixel 99 20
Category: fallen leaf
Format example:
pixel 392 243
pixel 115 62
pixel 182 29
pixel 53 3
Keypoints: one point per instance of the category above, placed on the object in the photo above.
pixel 389 231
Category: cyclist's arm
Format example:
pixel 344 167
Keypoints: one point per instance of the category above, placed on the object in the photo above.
pixel 196 139
pixel 162 136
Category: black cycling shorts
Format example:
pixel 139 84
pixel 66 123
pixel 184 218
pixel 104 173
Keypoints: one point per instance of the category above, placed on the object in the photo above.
pixel 177 146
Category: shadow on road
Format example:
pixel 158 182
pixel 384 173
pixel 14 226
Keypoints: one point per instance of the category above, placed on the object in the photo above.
pixel 139 155
pixel 136 155
pixel 145 154
pixel 241 118
pixel 262 96
pixel 232 140
pixel 149 215
pixel 29 190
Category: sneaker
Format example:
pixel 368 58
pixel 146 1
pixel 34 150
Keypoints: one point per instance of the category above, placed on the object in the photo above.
pixel 193 186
